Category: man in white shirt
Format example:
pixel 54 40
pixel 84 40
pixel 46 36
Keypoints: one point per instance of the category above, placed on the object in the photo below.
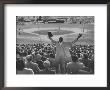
pixel 61 56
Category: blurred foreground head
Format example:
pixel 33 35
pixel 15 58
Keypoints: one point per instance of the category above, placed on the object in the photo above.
pixel 20 65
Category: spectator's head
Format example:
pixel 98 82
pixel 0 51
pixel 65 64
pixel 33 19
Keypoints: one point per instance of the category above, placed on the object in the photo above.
pixel 74 58
pixel 18 58
pixel 80 59
pixel 29 58
pixel 43 58
pixel 85 56
pixel 60 39
pixel 20 65
pixel 46 64
pixel 52 55
pixel 39 57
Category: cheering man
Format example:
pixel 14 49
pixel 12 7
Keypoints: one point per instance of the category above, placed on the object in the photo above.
pixel 60 56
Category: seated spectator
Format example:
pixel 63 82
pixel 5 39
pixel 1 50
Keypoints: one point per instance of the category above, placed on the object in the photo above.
pixel 39 61
pixel 32 65
pixel 74 67
pixel 20 68
pixel 52 60
pixel 47 69
pixel 38 57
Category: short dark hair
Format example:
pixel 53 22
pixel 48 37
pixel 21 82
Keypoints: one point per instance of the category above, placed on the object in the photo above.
pixel 52 55
pixel 60 39
pixel 43 58
pixel 74 58
pixel 85 56
pixel 20 65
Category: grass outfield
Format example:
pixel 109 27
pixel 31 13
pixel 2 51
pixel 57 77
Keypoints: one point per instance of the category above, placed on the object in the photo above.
pixel 29 38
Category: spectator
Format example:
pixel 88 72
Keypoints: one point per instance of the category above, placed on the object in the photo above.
pixel 75 67
pixel 20 68
pixel 32 65
pixel 40 62
pixel 47 69
pixel 52 60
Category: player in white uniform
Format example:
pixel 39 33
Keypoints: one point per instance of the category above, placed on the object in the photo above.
pixel 61 56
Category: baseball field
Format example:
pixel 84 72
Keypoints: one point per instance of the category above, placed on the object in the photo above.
pixel 37 33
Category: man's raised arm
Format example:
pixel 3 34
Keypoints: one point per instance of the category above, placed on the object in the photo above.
pixel 50 37
pixel 80 35
pixel 53 41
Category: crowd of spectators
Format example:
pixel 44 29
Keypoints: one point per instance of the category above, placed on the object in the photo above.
pixel 40 59
pixel 21 20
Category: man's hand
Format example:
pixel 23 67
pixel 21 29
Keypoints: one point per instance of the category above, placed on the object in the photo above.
pixel 50 37
pixel 80 35
pixel 50 34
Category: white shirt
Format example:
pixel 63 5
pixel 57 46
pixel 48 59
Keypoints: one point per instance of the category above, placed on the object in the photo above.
pixel 25 71
pixel 61 50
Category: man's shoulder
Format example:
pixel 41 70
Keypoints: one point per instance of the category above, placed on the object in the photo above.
pixel 80 63
pixel 34 64
pixel 52 72
pixel 28 70
pixel 69 64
